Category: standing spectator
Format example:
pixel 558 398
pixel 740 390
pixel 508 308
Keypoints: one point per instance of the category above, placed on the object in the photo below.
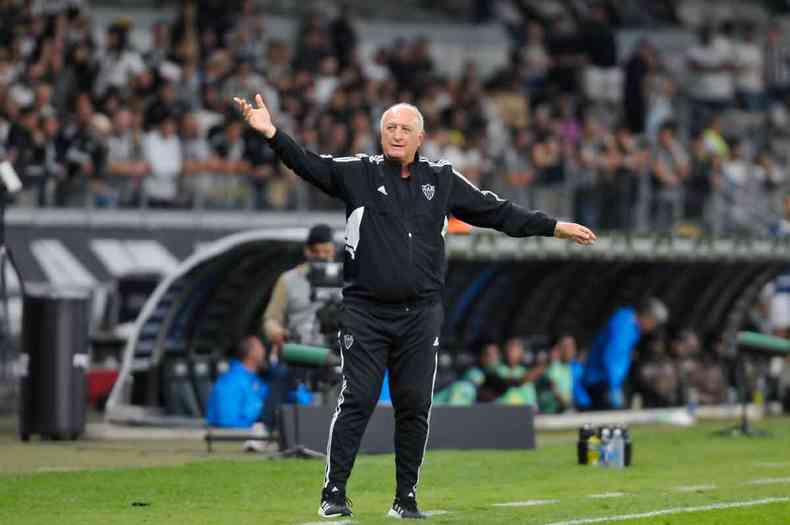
pixel 536 59
pixel 343 36
pixel 711 85
pixel 118 64
pixel 227 142
pixel 84 155
pixel 588 161
pixel 749 71
pixel 777 64
pixel 700 184
pixel 637 69
pixel 670 170
pixel 517 171
pixel 602 78
pixel 125 164
pixel 611 354
pixel 162 151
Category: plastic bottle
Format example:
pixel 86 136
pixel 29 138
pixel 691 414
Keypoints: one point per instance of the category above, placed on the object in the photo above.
pixel 606 438
pixel 617 457
pixel 628 448
pixel 593 450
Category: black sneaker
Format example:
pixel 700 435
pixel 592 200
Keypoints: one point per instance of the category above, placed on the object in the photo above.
pixel 334 503
pixel 406 508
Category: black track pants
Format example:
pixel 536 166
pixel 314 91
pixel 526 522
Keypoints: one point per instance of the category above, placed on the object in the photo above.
pixel 405 340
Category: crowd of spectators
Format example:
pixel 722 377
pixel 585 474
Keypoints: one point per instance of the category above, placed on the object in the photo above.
pixel 566 126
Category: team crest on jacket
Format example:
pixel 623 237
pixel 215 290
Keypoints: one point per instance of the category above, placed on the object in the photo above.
pixel 428 190
pixel 348 340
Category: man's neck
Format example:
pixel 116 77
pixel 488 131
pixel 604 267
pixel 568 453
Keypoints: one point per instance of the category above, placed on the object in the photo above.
pixel 251 367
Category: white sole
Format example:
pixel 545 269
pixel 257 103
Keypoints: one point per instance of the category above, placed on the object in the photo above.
pixel 393 514
pixel 333 516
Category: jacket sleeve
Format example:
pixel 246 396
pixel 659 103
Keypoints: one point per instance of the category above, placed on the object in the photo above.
pixel 322 171
pixel 486 209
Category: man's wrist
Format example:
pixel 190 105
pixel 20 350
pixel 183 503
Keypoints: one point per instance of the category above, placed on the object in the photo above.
pixel 270 133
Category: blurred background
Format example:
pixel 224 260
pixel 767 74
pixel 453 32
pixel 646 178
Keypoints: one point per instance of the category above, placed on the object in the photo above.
pixel 664 126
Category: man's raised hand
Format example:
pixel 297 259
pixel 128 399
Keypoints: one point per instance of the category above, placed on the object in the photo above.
pixel 257 117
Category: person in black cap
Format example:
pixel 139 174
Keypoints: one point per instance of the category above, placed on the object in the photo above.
pixel 291 312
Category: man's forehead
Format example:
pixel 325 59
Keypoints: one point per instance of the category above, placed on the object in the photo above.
pixel 401 115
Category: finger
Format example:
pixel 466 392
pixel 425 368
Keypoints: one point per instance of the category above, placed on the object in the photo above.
pixel 259 100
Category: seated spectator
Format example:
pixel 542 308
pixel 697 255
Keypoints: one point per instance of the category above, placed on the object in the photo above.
pixel 241 397
pixel 555 387
pixel 657 378
pixel 471 386
pixel 519 380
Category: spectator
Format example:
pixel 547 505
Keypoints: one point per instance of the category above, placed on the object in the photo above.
pixel 637 69
pixel 472 386
pixel 162 152
pixel 125 163
pixel 701 183
pixel 118 64
pixel 777 64
pixel 657 379
pixel 749 71
pixel 240 398
pixel 517 378
pixel 589 159
pixel 602 78
pixel 711 86
pixel 670 170
pixel 611 354
pixel 555 387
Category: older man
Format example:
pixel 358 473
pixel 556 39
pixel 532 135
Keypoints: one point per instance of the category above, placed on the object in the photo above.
pixel 397 205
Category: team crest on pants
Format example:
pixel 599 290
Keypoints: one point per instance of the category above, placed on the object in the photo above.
pixel 348 340
pixel 428 190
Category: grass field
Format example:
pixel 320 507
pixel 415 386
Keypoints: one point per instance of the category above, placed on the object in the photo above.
pixel 171 482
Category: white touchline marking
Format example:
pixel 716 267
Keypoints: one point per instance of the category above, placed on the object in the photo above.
pixel 769 464
pixel 766 481
pixel 436 512
pixel 607 495
pixel 694 488
pixel 528 503
pixel 341 522
pixel 679 510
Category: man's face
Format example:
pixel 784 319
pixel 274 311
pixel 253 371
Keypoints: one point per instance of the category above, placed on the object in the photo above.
pixel 401 135
pixel 257 353
pixel 320 252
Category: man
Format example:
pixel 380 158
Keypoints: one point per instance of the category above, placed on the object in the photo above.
pixel 611 353
pixel 291 312
pixel 238 396
pixel 250 391
pixel 397 206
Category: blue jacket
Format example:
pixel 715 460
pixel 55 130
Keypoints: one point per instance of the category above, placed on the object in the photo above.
pixel 237 398
pixel 610 355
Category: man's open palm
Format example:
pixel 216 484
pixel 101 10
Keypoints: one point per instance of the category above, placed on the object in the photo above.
pixel 257 117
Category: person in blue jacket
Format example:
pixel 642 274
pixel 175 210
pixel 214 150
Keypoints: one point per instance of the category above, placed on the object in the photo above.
pixel 241 397
pixel 611 353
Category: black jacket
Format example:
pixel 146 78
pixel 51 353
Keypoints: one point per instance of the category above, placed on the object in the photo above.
pixel 394 250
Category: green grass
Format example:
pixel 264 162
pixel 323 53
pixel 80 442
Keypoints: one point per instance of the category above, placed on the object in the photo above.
pixel 239 489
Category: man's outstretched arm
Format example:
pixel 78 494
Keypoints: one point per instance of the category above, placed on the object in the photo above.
pixel 487 210
pixel 315 169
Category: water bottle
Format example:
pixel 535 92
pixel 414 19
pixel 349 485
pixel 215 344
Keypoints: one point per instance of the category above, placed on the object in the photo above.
pixel 617 444
pixel 628 448
pixel 593 450
pixel 606 438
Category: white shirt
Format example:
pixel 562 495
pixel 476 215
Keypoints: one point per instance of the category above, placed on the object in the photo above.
pixel 749 59
pixel 164 155
pixel 711 84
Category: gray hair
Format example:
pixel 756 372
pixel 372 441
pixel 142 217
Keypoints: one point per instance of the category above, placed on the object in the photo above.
pixel 402 105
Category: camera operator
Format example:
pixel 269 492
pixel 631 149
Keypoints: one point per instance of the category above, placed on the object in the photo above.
pixel 304 301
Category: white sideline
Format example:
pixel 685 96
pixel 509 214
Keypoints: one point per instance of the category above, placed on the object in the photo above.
pixel 329 522
pixel 694 488
pixel 703 508
pixel 607 495
pixel 528 503
pixel 766 481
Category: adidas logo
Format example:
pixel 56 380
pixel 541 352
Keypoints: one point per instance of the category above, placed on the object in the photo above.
pixel 334 489
pixel 435 343
pixel 382 189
